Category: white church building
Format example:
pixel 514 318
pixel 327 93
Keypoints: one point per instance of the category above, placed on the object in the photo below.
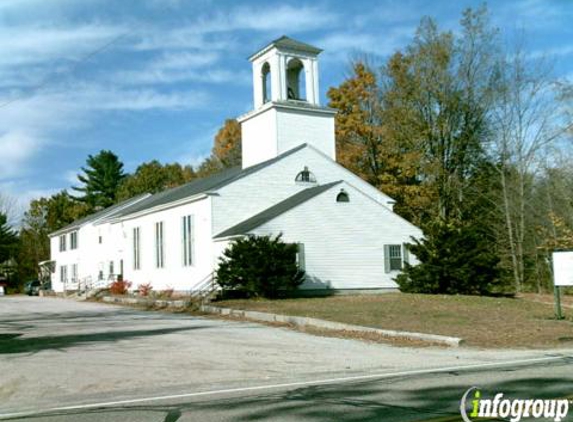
pixel 289 182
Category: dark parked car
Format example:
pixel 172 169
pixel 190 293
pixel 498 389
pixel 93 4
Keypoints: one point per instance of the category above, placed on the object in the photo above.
pixel 32 288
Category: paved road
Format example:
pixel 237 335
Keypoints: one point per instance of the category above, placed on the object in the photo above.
pixel 105 363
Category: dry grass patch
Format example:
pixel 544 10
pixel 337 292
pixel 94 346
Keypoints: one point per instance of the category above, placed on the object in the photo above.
pixel 480 321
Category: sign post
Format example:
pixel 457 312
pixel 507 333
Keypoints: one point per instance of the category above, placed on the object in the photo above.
pixel 562 276
pixel 557 297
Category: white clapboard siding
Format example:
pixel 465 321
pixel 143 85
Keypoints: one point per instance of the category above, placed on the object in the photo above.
pixel 305 126
pixel 343 242
pixel 174 273
pixel 256 192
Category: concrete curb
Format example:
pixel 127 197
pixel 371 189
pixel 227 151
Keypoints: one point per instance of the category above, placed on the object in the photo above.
pixel 331 325
pixel 147 302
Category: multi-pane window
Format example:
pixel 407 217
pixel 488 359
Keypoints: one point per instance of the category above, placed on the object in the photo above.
pixel 63 273
pixel 393 257
pixel 305 176
pixel 74 273
pixel 187 237
pixel 159 245
pixel 73 240
pixel 136 249
pixel 62 243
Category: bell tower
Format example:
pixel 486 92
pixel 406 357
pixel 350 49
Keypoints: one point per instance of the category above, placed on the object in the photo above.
pixel 287 110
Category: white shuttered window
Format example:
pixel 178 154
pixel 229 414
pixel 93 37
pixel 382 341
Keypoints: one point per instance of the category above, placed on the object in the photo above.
pixel 136 249
pixel 188 239
pixel 159 245
pixel 393 258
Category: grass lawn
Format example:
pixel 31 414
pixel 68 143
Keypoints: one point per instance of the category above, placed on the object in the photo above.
pixel 480 321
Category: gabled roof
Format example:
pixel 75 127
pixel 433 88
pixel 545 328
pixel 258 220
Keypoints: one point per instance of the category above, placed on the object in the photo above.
pixel 201 186
pixel 106 212
pixel 287 43
pixel 280 208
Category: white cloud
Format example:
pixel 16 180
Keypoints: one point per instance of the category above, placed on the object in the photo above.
pixel 533 14
pixel 16 148
pixel 98 97
pixel 146 76
pixel 71 177
pixel 559 51
pixel 207 33
pixel 340 46
pixel 44 96
pixel 25 45
pixel 29 126
pixel 184 60
pixel 173 67
pixel 283 18
pixel 19 195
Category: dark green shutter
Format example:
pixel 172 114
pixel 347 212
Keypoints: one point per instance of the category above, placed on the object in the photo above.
pixel 301 257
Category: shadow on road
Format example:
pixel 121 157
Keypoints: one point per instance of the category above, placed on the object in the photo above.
pixel 84 316
pixel 399 399
pixel 13 342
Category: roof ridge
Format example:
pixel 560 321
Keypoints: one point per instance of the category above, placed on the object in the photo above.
pixel 204 185
pixel 100 214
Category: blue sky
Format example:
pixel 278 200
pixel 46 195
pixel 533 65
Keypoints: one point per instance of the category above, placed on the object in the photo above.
pixel 155 79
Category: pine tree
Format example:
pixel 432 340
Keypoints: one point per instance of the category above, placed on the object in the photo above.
pixel 8 239
pixel 101 179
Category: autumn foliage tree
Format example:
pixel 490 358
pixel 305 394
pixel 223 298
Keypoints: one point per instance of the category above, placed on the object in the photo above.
pixel 366 146
pixel 227 145
pixel 226 151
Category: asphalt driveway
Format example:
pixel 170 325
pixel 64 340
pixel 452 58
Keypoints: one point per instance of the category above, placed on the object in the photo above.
pixel 56 353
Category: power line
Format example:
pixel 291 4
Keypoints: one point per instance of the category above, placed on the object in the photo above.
pixel 83 59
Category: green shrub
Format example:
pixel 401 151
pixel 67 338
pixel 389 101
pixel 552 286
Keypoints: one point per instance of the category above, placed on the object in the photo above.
pixel 454 259
pixel 260 266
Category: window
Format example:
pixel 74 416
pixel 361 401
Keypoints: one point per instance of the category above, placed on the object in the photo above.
pixel 305 176
pixel 111 269
pixel 296 89
pixel 62 243
pixel 63 274
pixel 266 76
pixel 342 196
pixel 100 240
pixel 136 249
pixel 74 273
pixel 187 237
pixel 159 245
pixel 393 257
pixel 73 240
pixel 100 271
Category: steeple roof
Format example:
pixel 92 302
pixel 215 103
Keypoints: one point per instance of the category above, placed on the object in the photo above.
pixel 287 43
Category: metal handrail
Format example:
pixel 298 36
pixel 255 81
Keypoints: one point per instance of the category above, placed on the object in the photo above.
pixel 205 287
